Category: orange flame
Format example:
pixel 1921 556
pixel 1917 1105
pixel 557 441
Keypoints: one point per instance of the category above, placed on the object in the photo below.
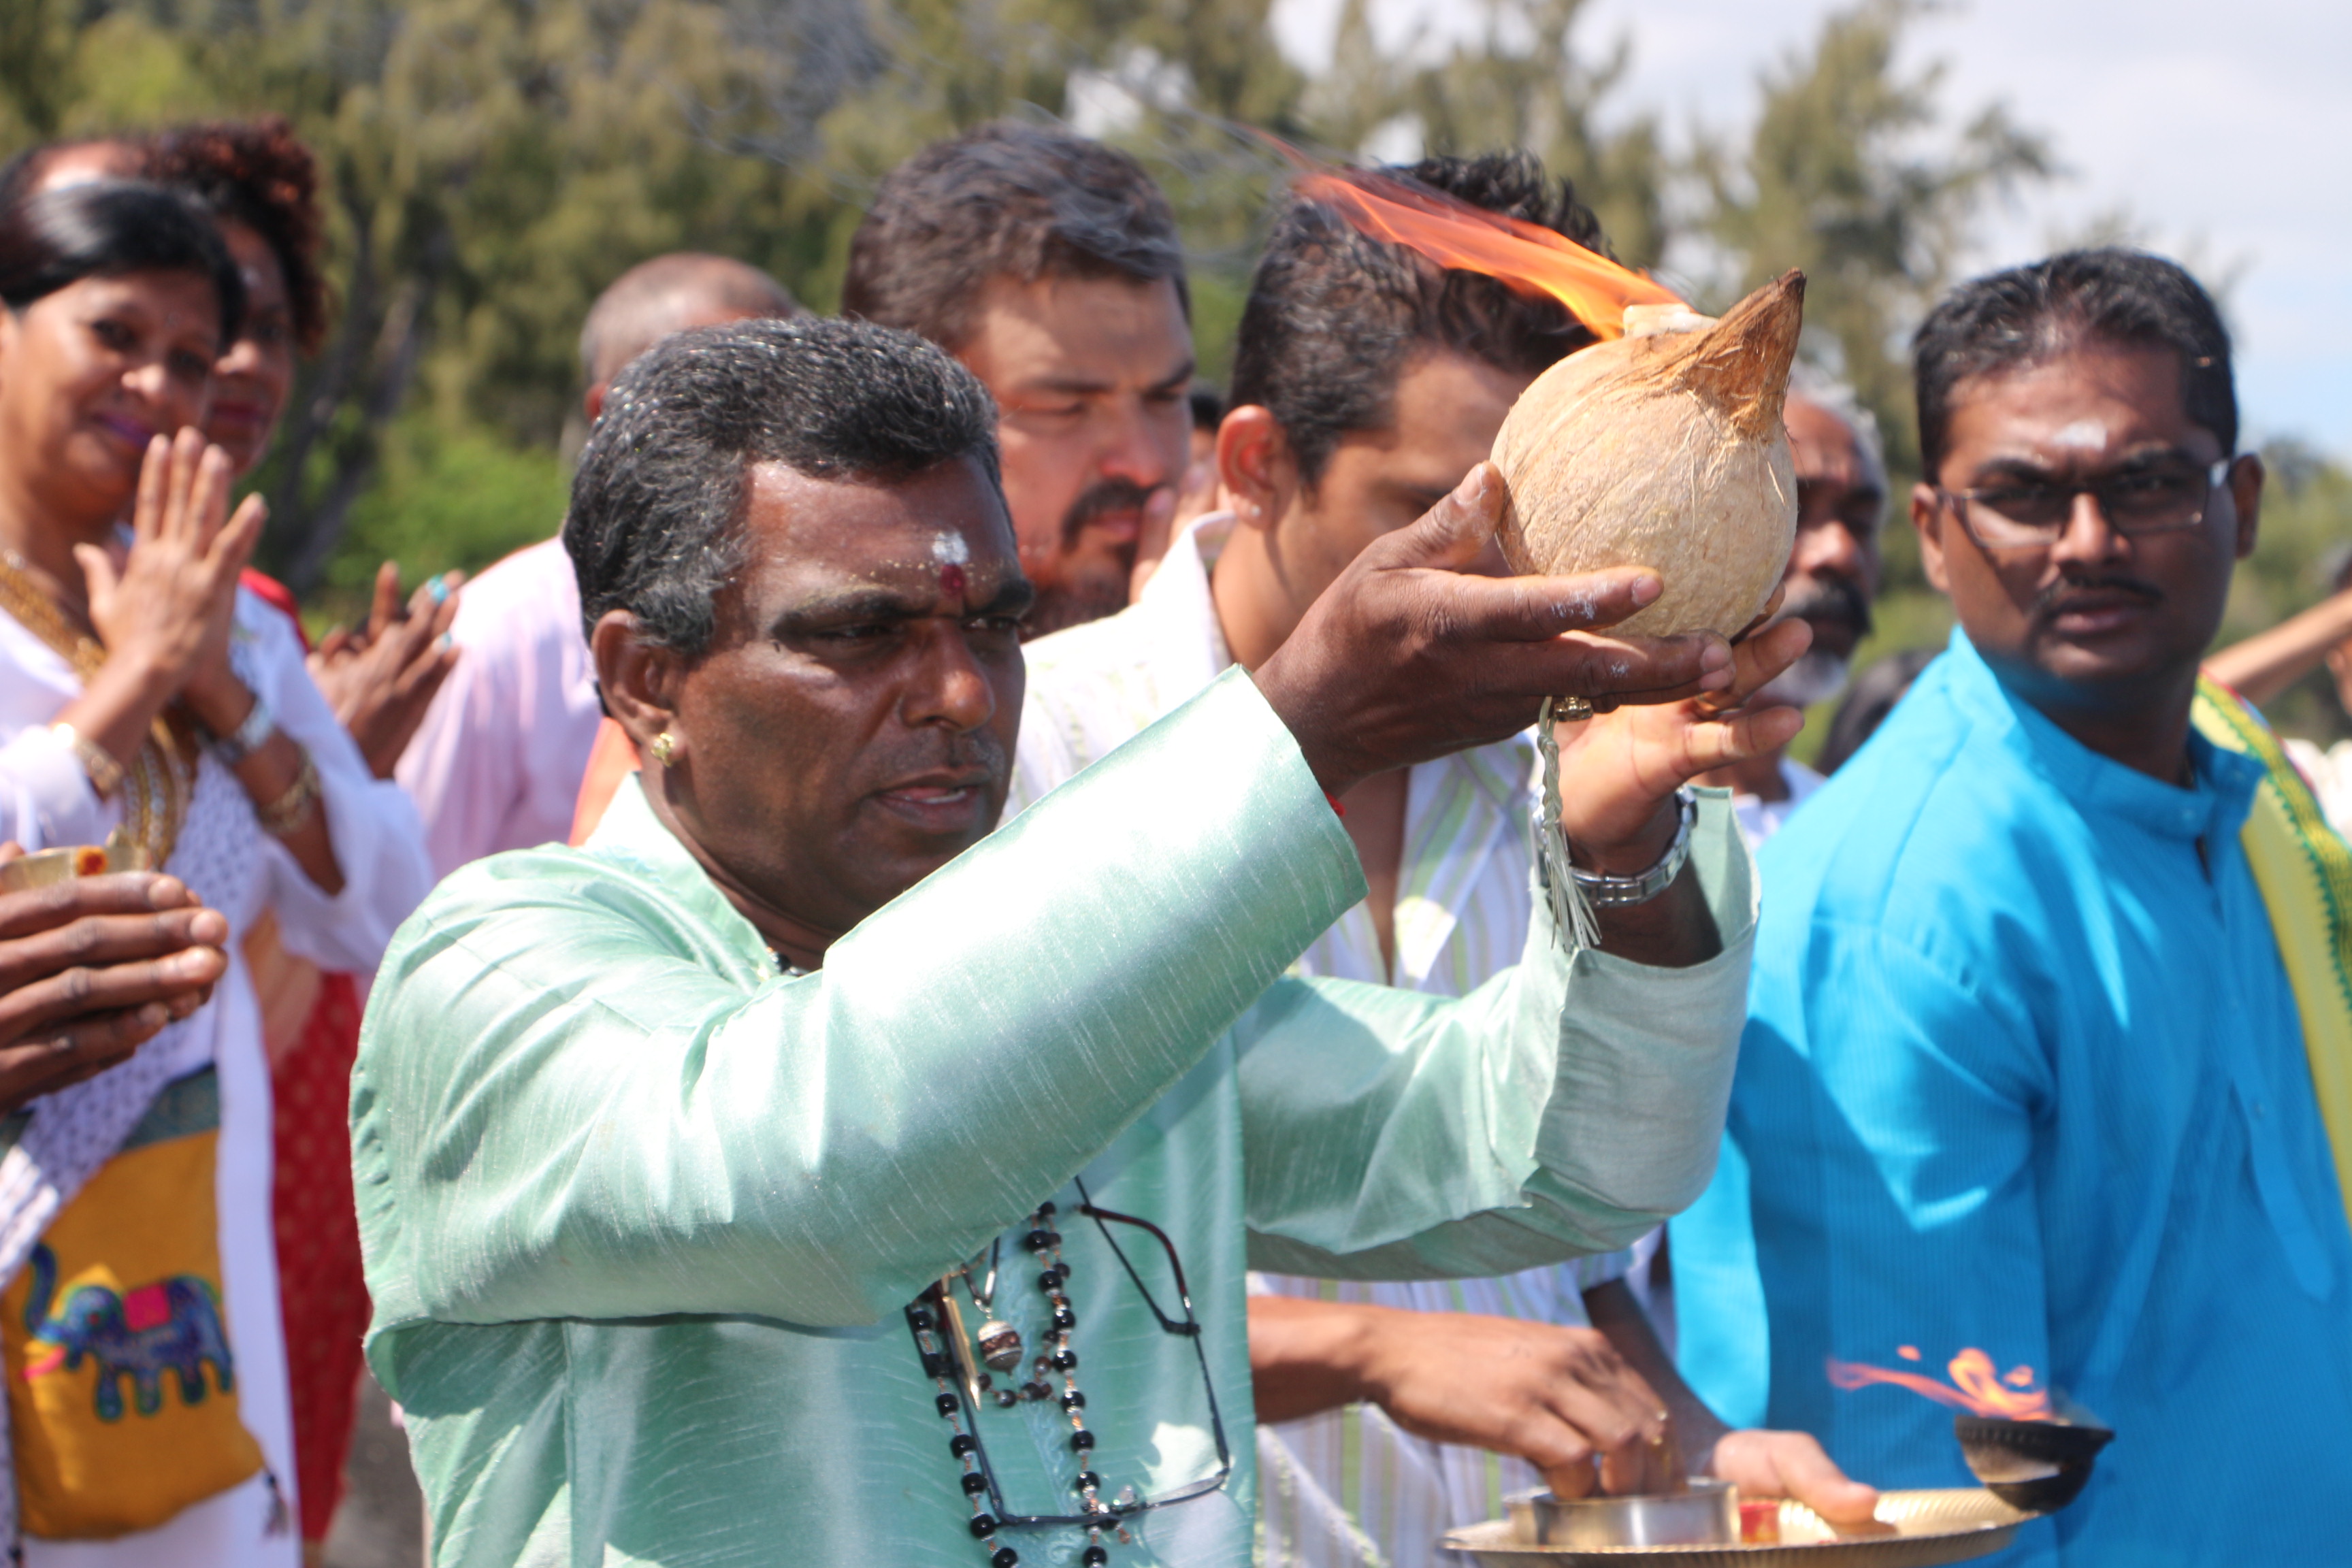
pixel 1979 1389
pixel 1454 233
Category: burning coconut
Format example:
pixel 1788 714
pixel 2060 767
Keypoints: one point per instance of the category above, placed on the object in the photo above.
pixel 1660 447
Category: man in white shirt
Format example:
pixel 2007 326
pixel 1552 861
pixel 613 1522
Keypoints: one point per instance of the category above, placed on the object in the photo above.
pixel 1051 266
pixel 498 763
pixel 1366 383
pixel 1831 579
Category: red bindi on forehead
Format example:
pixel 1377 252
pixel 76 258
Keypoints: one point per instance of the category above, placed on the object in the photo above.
pixel 952 581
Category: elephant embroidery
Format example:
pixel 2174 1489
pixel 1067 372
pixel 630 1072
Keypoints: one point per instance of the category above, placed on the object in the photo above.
pixel 171 1325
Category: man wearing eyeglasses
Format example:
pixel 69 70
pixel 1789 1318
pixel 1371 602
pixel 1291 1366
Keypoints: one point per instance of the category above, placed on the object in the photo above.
pixel 2048 997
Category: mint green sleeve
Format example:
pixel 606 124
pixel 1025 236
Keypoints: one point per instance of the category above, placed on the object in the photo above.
pixel 581 1096
pixel 1565 1107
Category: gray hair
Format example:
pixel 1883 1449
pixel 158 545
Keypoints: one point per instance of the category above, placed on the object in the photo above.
pixel 656 521
pixel 1820 388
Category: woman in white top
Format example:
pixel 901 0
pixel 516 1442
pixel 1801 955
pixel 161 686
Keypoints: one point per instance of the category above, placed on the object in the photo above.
pixel 141 691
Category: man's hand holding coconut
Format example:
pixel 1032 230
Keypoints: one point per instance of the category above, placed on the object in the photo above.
pixel 1676 704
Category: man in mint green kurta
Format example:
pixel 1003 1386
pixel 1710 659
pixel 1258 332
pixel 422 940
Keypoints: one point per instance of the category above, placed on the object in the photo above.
pixel 645 1204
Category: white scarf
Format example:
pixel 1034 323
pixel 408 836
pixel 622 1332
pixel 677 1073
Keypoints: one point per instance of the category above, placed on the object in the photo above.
pixel 78 1128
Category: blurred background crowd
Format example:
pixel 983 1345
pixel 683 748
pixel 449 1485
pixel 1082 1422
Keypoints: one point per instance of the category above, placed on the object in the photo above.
pixel 487 170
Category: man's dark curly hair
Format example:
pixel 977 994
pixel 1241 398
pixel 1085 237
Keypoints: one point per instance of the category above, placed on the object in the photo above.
pixel 1333 314
pixel 258 174
pixel 1004 200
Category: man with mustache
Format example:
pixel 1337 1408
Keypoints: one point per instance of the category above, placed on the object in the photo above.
pixel 788 1176
pixel 1831 578
pixel 1050 265
pixel 2049 1054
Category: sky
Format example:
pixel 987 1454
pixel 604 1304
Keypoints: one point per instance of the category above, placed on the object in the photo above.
pixel 2222 132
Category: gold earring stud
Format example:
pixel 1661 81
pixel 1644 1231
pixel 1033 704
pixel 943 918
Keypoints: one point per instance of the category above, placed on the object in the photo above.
pixel 665 748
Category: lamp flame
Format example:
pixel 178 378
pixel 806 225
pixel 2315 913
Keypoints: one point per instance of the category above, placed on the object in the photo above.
pixel 1454 233
pixel 1976 1387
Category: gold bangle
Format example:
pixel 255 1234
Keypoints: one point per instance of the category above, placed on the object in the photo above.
pixel 284 817
pixel 105 773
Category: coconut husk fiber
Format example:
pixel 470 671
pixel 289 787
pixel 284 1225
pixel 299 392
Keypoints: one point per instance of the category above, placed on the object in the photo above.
pixel 1664 448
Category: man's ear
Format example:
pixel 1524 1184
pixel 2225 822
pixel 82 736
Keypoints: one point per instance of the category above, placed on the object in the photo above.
pixel 1255 470
pixel 638 680
pixel 1927 520
pixel 592 401
pixel 2245 481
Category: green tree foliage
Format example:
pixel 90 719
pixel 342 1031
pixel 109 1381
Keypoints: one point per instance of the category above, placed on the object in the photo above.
pixel 1520 81
pixel 1852 173
pixel 1844 177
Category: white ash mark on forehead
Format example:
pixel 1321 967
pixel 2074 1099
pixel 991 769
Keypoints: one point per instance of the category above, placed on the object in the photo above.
pixel 949 548
pixel 2082 436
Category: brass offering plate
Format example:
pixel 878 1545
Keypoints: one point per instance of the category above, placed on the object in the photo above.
pixel 45 868
pixel 1949 1525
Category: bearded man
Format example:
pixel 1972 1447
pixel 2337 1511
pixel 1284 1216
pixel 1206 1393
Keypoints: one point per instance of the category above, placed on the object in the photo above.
pixel 2048 1057
pixel 1051 266
pixel 754 1183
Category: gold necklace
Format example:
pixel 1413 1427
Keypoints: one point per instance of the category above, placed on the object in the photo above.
pixel 157 786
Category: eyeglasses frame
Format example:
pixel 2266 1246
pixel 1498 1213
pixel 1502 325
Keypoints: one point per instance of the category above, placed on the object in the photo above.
pixel 2217 473
pixel 1187 1328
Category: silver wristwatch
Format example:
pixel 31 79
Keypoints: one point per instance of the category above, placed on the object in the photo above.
pixel 248 737
pixel 1605 891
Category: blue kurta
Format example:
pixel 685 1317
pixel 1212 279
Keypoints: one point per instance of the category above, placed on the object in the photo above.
pixel 2022 1071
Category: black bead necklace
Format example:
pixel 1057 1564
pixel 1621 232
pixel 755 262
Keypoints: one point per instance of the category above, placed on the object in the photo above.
pixel 948 1359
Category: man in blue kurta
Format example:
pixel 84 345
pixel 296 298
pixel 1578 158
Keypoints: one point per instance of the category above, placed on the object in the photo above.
pixel 790 1176
pixel 2022 1070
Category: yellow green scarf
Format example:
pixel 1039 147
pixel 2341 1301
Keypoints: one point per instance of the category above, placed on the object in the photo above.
pixel 2304 871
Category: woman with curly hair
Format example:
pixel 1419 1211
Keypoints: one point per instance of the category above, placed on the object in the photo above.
pixel 260 183
pixel 145 695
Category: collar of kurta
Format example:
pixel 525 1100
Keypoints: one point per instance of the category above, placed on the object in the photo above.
pixel 1181 638
pixel 633 836
pixel 2213 808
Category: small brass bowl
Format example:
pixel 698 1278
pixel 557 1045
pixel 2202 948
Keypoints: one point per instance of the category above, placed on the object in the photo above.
pixel 47 868
pixel 1706 1515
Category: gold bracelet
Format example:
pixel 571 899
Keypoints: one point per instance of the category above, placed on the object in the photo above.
pixel 284 817
pixel 105 773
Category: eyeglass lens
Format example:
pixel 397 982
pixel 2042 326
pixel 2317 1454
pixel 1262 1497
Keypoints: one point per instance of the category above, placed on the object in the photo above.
pixel 1186 1327
pixel 2138 500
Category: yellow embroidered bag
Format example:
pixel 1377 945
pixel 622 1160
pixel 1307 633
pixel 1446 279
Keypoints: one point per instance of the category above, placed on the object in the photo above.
pixel 121 1384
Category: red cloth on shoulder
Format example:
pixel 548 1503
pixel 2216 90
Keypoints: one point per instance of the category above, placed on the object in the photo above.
pixel 278 596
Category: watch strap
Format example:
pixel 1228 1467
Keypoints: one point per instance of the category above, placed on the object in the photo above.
pixel 1606 891
pixel 249 737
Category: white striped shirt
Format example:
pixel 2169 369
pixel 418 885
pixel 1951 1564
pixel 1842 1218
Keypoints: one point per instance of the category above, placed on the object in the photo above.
pixel 1346 1487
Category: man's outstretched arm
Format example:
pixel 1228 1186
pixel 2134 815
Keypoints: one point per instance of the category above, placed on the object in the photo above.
pixel 564 1108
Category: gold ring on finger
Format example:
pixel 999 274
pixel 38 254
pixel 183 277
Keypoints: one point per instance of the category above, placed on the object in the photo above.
pixel 1572 709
